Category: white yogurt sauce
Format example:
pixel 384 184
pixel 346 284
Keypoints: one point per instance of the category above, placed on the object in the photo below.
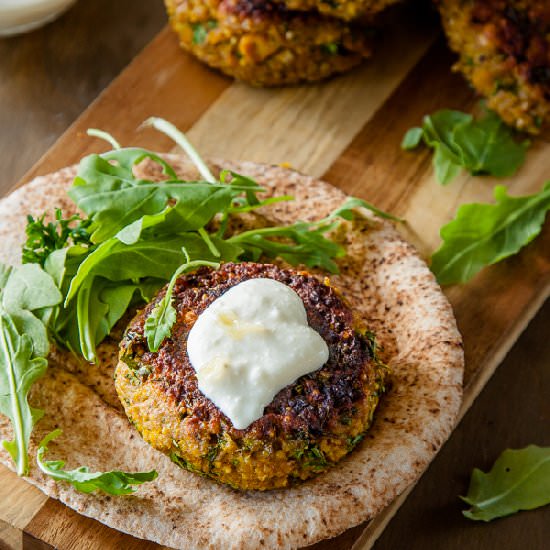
pixel 249 344
pixel 23 15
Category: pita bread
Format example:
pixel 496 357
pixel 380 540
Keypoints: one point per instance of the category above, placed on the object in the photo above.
pixel 387 284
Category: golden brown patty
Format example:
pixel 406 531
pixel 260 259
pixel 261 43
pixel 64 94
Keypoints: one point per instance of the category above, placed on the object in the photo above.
pixel 265 44
pixel 308 426
pixel 344 9
pixel 504 48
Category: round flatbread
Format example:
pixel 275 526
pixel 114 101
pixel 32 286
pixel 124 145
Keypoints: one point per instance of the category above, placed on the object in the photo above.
pixel 388 285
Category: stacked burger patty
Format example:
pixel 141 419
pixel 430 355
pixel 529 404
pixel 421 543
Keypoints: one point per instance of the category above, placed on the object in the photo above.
pixel 273 43
pixel 503 45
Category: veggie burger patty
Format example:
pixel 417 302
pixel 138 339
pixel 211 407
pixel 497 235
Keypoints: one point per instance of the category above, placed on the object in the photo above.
pixel 344 9
pixel 265 44
pixel 504 48
pixel 310 424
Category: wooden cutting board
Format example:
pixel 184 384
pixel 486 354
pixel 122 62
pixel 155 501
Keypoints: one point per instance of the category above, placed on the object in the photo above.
pixel 348 131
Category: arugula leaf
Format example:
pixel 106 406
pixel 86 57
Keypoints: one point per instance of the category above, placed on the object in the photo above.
pixel 445 165
pixel 483 146
pixel 94 132
pixel 346 211
pixel 149 257
pixel 115 275
pixel 112 207
pixel 138 235
pixel 172 132
pixel 412 138
pixel 488 146
pixel 299 243
pixel 484 234
pixel 137 229
pixel 519 480
pixel 158 325
pixel 26 295
pixel 112 483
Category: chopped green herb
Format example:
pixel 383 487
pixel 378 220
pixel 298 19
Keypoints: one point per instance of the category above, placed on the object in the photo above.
pixel 200 31
pixel 311 457
pixel 330 48
pixel 315 458
pixel 352 442
pixel 44 238
pixel 182 463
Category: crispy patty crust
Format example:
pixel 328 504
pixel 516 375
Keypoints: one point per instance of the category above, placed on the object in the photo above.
pixel 504 48
pixel 265 44
pixel 308 426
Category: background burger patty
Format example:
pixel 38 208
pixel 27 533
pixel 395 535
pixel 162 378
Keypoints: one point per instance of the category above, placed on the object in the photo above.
pixel 504 48
pixel 308 426
pixel 345 9
pixel 265 44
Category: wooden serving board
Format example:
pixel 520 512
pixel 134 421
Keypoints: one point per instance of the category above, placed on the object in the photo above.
pixel 348 131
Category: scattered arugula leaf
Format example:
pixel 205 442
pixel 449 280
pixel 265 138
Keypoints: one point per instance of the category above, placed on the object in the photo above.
pixel 27 295
pixel 484 234
pixel 519 480
pixel 112 483
pixel 481 146
pixel 412 138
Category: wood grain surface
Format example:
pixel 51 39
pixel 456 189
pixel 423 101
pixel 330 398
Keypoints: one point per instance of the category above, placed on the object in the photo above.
pixel 348 130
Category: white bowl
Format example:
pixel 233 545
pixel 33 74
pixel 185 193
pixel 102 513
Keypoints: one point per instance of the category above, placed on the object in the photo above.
pixel 18 16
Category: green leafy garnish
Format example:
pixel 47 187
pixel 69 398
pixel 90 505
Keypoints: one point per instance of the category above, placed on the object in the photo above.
pixel 94 132
pixel 483 234
pixel 27 295
pixel 81 275
pixel 44 238
pixel 519 480
pixel 112 483
pixel 480 146
pixel 131 242
pixel 158 325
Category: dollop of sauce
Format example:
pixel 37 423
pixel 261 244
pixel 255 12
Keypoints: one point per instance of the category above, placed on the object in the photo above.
pixel 249 344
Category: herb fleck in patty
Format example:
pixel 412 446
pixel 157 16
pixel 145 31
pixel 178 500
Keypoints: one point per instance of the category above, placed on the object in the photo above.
pixel 309 425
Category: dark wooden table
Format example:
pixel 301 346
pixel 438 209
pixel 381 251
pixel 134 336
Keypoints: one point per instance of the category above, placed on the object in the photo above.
pixel 48 77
